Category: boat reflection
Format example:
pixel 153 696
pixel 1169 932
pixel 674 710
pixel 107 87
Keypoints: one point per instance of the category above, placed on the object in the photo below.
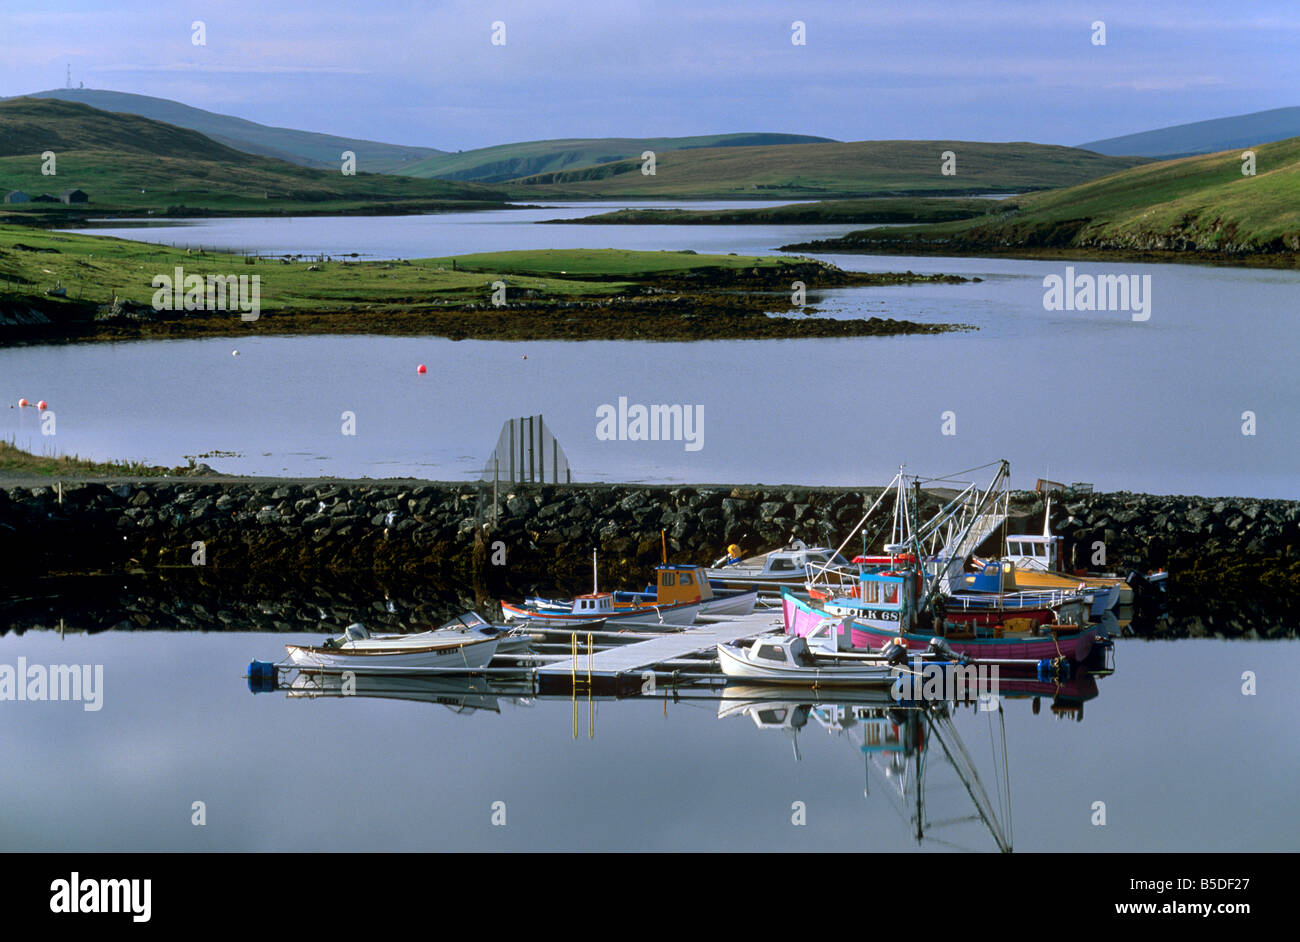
pixel 459 694
pixel 903 747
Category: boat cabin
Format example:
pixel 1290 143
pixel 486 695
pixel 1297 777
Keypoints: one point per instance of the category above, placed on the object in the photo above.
pixel 995 577
pixel 782 651
pixel 888 596
pixel 1041 553
pixel 681 584
pixel 593 603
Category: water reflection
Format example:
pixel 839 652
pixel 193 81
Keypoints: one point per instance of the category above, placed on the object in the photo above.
pixel 188 601
pixel 907 753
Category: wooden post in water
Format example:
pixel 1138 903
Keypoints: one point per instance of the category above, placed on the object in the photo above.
pixel 512 451
pixel 541 454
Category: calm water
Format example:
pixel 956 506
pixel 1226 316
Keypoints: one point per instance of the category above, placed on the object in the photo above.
pixel 1181 758
pixel 1153 406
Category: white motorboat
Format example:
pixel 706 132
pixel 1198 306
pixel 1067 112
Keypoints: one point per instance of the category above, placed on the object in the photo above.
pixel 358 650
pixel 792 565
pixel 785 659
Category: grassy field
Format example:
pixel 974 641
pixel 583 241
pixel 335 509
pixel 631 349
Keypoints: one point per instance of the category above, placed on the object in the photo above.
pixel 828 171
pixel 1196 204
pixel 508 161
pixel 133 164
pixel 98 268
pixel 882 210
pixel 577 294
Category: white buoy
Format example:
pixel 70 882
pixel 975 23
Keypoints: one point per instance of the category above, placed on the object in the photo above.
pixel 234 353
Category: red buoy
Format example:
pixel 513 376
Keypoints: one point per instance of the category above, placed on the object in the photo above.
pixel 421 369
pixel 23 403
pixel 42 405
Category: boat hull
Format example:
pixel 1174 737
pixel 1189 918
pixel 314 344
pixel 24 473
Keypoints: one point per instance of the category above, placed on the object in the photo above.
pixel 674 616
pixel 801 619
pixel 736 665
pixel 469 655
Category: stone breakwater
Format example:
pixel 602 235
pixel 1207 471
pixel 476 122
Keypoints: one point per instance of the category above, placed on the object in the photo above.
pixel 541 536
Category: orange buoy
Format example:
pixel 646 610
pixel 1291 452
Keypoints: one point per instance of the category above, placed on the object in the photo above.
pixel 421 369
pixel 42 405
pixel 23 403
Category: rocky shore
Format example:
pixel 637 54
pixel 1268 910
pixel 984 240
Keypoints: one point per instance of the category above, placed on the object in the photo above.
pixel 540 537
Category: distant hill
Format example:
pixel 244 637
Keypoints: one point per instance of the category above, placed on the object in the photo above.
pixel 1205 137
pixel 508 161
pixel 127 162
pixel 829 170
pixel 306 148
pixel 1194 204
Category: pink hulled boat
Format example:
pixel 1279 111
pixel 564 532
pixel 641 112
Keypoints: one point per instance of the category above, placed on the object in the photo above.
pixel 993 642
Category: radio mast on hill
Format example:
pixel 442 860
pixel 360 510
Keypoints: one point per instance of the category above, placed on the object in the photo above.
pixel 69 75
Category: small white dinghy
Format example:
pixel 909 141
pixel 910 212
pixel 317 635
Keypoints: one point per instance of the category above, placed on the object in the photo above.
pixel 785 659
pixel 459 648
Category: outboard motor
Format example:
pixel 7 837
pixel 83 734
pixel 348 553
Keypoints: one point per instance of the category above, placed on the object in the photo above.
pixel 940 648
pixel 894 653
pixel 356 632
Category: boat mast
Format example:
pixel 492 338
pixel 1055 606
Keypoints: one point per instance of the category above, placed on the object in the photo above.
pixel 595 590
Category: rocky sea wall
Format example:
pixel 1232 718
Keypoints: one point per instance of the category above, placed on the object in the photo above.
pixel 540 537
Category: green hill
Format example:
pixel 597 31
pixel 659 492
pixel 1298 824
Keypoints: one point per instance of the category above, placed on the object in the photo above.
pixel 128 163
pixel 508 161
pixel 300 147
pixel 1201 204
pixel 1205 137
pixel 829 170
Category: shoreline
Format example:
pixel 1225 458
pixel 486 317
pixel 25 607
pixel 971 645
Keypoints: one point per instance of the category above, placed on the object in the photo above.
pixel 1264 260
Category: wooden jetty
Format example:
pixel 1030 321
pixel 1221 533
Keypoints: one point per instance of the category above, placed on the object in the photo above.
pixel 625 667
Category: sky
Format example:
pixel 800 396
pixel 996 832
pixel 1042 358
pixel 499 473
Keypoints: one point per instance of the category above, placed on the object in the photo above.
pixel 428 73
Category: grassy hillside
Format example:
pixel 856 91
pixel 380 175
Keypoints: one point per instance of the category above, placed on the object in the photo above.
pixel 830 170
pixel 508 161
pixel 1205 137
pixel 1194 204
pixel 134 164
pixel 306 148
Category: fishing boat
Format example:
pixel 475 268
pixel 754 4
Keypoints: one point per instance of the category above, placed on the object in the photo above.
pixel 598 607
pixel 1039 560
pixel 358 650
pixel 686 583
pixel 927 593
pixel 787 660
pixel 791 565
pixel 872 629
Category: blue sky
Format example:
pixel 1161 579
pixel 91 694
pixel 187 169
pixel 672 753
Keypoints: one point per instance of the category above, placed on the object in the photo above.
pixel 427 73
